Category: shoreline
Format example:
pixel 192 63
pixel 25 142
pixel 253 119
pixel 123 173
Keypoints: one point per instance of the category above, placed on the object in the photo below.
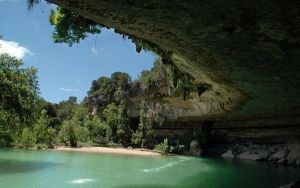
pixel 122 151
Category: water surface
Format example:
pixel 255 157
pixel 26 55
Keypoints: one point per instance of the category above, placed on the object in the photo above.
pixel 23 168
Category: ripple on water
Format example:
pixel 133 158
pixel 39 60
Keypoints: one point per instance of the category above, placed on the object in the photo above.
pixel 160 168
pixel 81 181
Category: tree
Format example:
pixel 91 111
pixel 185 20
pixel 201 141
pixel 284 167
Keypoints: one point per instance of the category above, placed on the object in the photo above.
pixel 71 133
pixel 40 127
pixel 28 138
pixel 97 130
pixel 70 28
pixel 51 137
pixel 123 129
pixel 111 113
pixel 120 80
pixel 144 135
pixel 65 108
pixel 73 130
pixel 118 123
pixel 18 96
pixel 43 133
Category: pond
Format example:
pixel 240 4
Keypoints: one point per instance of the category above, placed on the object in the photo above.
pixel 29 168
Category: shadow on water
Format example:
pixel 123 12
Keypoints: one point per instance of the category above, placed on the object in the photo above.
pixel 17 166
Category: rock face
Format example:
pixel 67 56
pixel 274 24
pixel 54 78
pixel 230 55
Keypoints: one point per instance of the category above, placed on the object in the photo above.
pixel 248 55
pixel 270 130
pixel 279 154
pixel 295 184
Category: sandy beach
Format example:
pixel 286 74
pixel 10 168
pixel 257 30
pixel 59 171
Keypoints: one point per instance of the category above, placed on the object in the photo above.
pixel 110 150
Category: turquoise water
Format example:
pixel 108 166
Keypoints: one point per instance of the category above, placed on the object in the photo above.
pixel 22 168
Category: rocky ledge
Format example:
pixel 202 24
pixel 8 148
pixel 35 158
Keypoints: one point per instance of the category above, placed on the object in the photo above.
pixel 286 154
pixel 295 184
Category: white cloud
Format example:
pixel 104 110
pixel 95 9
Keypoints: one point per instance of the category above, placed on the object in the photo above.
pixel 68 89
pixel 94 51
pixel 13 48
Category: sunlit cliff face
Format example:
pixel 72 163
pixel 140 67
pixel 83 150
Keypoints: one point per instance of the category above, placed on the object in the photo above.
pixel 247 52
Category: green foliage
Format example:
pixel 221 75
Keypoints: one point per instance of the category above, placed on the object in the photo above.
pixel 65 108
pixel 182 82
pixel 40 127
pixel 97 130
pixel 154 76
pixel 102 85
pixel 107 90
pixel 163 147
pixel 43 133
pixel 120 80
pixel 110 113
pixel 70 28
pixel 18 96
pixel 144 135
pixel 71 133
pixel 118 123
pixel 123 129
pixel 5 138
pixel 73 130
pixel 156 82
pixel 51 138
pixel 28 138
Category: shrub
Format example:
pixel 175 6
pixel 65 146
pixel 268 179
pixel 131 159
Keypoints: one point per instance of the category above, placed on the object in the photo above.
pixel 28 138
pixel 163 147
pixel 71 133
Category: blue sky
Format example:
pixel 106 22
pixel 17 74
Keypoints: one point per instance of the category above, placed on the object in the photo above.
pixel 65 71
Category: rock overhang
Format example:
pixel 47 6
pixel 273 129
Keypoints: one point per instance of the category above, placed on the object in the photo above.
pixel 247 52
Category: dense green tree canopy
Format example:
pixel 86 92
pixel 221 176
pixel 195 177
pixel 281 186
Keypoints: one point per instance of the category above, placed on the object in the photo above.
pixel 19 91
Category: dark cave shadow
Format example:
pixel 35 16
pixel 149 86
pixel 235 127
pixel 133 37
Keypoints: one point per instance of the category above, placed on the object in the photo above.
pixel 8 166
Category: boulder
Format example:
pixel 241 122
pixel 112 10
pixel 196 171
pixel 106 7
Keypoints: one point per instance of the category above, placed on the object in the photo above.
pixel 250 156
pixel 276 148
pixel 238 149
pixel 228 154
pixel 195 148
pixel 292 147
pixel 264 154
pixel 293 156
pixel 281 161
pixel 278 155
pixel 295 184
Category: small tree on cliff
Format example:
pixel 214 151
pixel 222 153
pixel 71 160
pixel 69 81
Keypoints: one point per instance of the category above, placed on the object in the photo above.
pixel 144 135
